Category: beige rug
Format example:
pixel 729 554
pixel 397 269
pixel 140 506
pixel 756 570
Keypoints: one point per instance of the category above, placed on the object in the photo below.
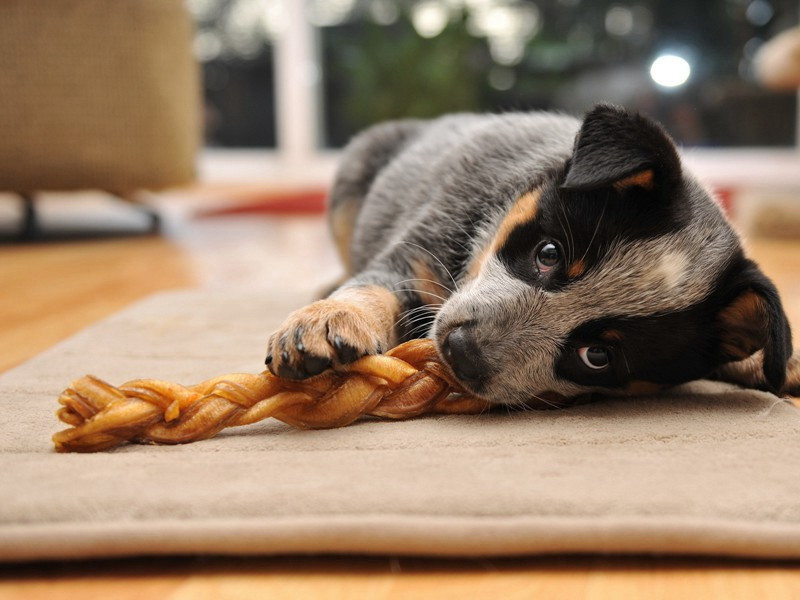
pixel 712 471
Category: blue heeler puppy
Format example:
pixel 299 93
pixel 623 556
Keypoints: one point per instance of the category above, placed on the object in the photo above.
pixel 550 258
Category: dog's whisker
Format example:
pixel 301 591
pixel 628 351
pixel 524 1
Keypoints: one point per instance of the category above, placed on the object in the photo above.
pixel 570 242
pixel 411 314
pixel 625 359
pixel 410 319
pixel 421 292
pixel 564 231
pixel 419 323
pixel 421 327
pixel 527 407
pixel 432 305
pixel 596 229
pixel 436 258
pixel 429 281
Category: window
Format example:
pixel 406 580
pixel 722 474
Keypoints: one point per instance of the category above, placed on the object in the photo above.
pixel 233 42
pixel 687 63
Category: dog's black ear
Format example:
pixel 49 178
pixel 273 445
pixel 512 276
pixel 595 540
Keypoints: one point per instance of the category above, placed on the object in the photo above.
pixel 620 149
pixel 752 321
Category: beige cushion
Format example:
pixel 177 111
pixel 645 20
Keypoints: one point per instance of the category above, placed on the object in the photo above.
pixel 100 94
pixel 712 470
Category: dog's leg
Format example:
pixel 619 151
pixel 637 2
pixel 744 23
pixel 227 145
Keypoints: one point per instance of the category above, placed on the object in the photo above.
pixel 364 159
pixel 367 315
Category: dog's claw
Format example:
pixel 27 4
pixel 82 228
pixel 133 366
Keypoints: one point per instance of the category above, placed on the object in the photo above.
pixel 287 371
pixel 314 365
pixel 345 351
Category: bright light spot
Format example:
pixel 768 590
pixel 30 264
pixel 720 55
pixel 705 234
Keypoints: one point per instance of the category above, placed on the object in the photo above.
pixel 751 47
pixel 207 46
pixel 507 25
pixel 329 13
pixel 273 18
pixel 429 18
pixel 759 12
pixel 670 71
pixel 202 9
pixel 383 12
pixel 506 50
pixel 619 21
pixel 505 19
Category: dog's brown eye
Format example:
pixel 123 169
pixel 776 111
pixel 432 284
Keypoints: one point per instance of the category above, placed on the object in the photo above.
pixel 547 257
pixel 594 357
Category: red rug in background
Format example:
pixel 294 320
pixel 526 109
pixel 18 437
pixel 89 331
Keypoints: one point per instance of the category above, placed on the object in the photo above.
pixel 725 198
pixel 301 202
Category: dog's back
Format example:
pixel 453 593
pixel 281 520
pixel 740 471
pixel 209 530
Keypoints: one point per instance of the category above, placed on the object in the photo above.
pixel 441 180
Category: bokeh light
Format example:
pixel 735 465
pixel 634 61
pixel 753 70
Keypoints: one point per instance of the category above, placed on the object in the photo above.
pixel 670 70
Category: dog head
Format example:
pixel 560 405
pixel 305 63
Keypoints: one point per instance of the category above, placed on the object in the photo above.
pixel 618 274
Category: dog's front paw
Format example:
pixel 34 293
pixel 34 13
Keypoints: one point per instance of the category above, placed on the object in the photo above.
pixel 324 334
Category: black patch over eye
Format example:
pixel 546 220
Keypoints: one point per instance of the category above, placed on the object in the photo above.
pixel 594 357
pixel 547 257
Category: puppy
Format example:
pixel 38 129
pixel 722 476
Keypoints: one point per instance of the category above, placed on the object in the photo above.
pixel 549 258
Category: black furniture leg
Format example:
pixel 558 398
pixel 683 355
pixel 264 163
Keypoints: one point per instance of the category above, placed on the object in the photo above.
pixel 30 223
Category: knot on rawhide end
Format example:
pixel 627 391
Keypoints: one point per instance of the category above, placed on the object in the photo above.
pixel 407 381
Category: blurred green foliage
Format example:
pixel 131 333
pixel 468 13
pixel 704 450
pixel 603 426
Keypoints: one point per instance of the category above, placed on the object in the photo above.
pixel 391 72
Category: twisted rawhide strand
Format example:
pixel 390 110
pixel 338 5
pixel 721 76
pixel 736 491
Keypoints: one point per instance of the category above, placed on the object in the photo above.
pixel 405 382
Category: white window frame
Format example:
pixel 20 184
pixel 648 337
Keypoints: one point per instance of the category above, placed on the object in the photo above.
pixel 300 162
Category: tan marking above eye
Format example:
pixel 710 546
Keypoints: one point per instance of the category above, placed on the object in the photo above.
pixel 643 179
pixel 524 210
pixel 576 269
pixel 612 335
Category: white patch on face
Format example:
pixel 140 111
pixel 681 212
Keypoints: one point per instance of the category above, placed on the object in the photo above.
pixel 672 268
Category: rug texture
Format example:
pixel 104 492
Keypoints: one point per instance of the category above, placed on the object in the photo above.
pixel 707 470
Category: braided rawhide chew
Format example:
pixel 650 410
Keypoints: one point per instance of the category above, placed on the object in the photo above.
pixel 405 382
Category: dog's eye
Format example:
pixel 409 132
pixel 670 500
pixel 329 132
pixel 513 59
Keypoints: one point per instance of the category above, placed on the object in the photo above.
pixel 547 257
pixel 594 357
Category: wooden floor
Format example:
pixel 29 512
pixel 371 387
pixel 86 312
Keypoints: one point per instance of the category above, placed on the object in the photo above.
pixel 51 290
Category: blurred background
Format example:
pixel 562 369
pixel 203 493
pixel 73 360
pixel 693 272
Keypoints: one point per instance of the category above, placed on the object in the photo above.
pixel 150 144
pixel 687 63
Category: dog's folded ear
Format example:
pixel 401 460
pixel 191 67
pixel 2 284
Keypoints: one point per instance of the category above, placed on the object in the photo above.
pixel 623 150
pixel 755 341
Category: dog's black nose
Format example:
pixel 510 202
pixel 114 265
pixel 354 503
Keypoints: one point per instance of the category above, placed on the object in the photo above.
pixel 463 354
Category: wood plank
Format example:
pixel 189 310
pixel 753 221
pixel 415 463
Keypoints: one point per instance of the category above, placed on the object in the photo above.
pixel 55 290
